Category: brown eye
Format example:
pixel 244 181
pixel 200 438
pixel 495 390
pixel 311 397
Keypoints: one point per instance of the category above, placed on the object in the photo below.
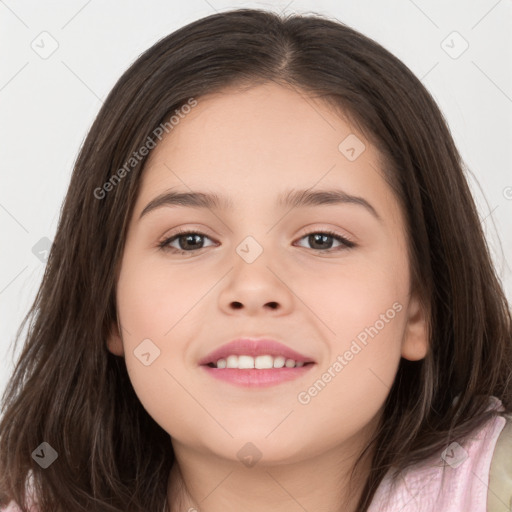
pixel 188 241
pixel 323 241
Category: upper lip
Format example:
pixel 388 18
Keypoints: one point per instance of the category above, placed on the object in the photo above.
pixel 254 347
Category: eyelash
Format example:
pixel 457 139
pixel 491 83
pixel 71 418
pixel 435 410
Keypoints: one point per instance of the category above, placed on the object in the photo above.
pixel 164 244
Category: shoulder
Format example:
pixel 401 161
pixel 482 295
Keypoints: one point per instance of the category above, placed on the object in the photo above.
pixel 455 480
pixel 11 507
pixel 29 496
pixel 499 497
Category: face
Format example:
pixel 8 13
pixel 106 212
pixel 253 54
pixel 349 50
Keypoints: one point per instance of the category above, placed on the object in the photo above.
pixel 262 268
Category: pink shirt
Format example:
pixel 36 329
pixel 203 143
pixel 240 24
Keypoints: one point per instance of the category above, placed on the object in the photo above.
pixel 466 477
pixel 419 488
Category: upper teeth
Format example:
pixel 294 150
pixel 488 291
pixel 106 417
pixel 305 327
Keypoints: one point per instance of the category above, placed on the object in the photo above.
pixel 259 362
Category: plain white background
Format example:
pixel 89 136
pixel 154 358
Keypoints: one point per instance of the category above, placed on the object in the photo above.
pixel 59 60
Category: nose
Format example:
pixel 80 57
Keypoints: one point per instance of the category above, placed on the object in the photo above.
pixel 256 287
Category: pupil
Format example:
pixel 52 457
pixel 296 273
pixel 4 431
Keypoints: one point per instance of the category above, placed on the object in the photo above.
pixel 322 238
pixel 188 237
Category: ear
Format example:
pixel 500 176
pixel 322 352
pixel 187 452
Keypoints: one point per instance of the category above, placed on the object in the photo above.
pixel 114 341
pixel 415 340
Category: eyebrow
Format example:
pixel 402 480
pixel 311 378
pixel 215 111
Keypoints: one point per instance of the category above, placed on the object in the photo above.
pixel 292 199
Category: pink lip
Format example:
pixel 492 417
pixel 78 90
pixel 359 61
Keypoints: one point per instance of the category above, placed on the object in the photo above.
pixel 253 378
pixel 254 347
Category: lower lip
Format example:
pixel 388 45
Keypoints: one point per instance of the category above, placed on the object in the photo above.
pixel 254 378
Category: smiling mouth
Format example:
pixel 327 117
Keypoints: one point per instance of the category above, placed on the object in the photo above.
pixel 262 362
pixel 258 373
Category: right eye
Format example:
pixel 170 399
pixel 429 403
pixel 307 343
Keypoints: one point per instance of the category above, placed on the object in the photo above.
pixel 190 239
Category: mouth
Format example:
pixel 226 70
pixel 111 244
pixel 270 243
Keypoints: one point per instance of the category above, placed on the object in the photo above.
pixel 262 362
pixel 255 353
pixel 256 363
pixel 257 377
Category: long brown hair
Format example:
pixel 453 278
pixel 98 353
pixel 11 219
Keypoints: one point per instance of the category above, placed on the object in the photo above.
pixel 68 390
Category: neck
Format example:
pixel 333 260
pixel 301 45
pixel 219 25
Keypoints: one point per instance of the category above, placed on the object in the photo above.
pixel 208 483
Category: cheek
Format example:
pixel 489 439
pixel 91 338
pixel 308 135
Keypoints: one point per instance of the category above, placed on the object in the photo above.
pixel 152 297
pixel 153 304
pixel 364 332
pixel 362 306
pixel 354 294
pixel 353 382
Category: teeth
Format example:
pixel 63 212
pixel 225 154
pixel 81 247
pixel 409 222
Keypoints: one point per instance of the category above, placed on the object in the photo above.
pixel 258 362
pixel 279 362
pixel 232 362
pixel 262 362
pixel 245 362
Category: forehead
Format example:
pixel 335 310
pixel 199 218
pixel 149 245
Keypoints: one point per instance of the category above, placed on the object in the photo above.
pixel 258 143
pixel 271 120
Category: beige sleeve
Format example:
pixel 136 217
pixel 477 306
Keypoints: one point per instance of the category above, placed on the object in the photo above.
pixel 499 494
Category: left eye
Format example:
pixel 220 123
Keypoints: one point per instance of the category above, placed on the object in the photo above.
pixel 321 237
pixel 191 241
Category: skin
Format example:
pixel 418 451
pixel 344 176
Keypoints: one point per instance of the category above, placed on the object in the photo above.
pixel 253 145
